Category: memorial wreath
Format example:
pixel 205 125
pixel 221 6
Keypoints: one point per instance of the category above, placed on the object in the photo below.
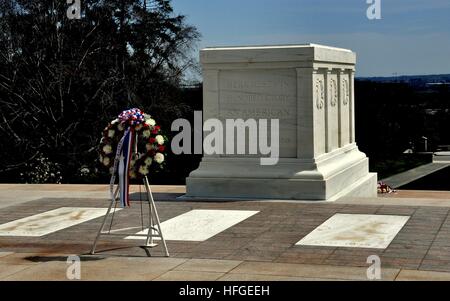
pixel 131 146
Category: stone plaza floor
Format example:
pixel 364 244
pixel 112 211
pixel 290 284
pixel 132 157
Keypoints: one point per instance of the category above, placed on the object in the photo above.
pixel 41 225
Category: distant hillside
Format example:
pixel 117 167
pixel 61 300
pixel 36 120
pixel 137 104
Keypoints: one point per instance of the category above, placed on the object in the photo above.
pixel 415 80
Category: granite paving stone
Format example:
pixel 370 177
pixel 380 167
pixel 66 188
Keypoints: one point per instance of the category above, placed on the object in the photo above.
pixel 268 237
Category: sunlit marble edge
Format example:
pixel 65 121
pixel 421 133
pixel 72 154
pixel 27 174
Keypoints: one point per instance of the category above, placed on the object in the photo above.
pixel 58 225
pixel 322 235
pixel 219 224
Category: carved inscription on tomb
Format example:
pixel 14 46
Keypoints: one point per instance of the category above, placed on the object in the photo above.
pixel 262 94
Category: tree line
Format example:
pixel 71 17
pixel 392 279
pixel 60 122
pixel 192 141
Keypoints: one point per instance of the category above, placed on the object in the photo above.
pixel 61 79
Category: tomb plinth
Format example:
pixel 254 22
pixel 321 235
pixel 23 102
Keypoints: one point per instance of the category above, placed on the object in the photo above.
pixel 310 90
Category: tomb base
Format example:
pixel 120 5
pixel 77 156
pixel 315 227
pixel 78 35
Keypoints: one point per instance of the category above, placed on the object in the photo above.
pixel 344 172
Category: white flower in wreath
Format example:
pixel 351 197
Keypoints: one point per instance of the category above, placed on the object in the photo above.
pixel 159 139
pixel 111 133
pixel 146 133
pixel 150 122
pixel 143 170
pixel 120 127
pixel 159 158
pixel 106 161
pixel 101 159
pixel 107 149
pixel 148 161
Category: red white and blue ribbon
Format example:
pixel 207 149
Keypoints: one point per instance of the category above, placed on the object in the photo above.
pixel 124 167
pixel 124 153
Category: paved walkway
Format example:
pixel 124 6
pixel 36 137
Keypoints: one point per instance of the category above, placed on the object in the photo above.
pixel 44 267
pixel 261 247
pixel 14 194
pixel 411 175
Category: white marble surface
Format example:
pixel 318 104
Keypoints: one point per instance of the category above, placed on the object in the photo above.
pixel 276 53
pixel 310 90
pixel 443 157
pixel 356 230
pixel 199 225
pixel 51 221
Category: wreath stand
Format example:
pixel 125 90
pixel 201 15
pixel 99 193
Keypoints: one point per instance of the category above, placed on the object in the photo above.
pixel 154 226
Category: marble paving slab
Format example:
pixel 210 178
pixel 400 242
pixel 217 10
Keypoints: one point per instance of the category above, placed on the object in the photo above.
pixel 199 225
pixel 356 230
pixel 51 221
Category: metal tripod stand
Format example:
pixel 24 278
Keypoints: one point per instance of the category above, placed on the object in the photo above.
pixel 154 226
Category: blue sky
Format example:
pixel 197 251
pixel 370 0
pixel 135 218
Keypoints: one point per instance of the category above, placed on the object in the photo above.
pixel 413 36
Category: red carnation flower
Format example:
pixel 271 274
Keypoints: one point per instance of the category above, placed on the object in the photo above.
pixel 156 129
pixel 152 140
pixel 161 148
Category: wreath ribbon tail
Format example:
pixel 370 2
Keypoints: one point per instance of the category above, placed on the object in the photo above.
pixel 115 167
pixel 124 168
